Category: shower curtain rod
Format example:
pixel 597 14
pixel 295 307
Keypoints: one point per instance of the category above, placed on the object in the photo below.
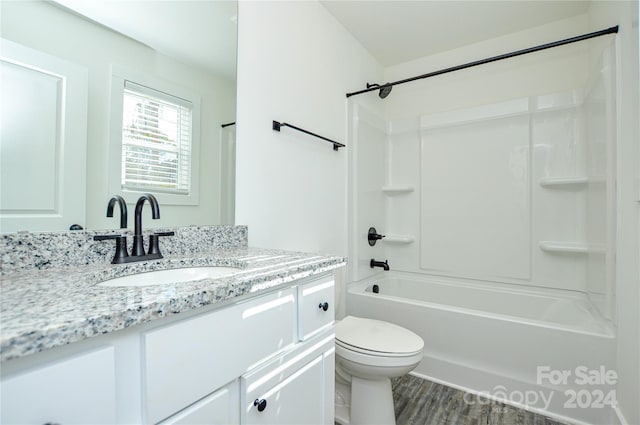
pixel 611 30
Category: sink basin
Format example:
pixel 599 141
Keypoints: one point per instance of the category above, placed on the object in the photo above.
pixel 162 277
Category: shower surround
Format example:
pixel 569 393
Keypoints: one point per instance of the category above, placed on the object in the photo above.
pixel 501 179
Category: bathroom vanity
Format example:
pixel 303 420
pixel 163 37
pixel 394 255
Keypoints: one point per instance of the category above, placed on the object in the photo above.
pixel 253 347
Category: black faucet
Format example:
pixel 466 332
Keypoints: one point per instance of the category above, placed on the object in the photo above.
pixel 385 265
pixel 117 199
pixel 137 251
pixel 138 247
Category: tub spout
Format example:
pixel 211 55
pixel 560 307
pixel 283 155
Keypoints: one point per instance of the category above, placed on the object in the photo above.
pixel 384 264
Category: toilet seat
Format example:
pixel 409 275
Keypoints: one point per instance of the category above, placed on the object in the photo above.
pixel 377 360
pixel 374 353
pixel 376 343
pixel 377 338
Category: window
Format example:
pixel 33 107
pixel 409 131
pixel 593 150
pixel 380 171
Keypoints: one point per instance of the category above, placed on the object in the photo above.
pixel 154 139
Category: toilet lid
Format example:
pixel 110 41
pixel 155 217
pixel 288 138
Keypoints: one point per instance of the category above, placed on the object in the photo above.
pixel 377 336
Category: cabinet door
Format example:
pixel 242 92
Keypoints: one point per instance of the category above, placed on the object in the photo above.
pixel 296 388
pixel 220 408
pixel 296 400
pixel 78 390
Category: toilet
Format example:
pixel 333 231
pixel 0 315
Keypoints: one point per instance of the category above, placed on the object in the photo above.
pixel 368 354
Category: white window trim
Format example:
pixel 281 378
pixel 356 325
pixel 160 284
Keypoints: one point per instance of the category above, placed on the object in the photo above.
pixel 118 77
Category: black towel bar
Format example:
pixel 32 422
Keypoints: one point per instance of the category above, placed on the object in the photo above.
pixel 277 125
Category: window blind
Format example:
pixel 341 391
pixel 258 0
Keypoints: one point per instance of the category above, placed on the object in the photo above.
pixel 156 140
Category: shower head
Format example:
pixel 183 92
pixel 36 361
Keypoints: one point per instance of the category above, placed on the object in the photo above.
pixel 385 89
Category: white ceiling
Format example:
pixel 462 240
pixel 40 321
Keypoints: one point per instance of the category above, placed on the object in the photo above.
pixel 204 32
pixel 397 31
pixel 197 32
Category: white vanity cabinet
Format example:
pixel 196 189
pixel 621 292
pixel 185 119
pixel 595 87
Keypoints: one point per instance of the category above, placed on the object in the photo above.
pixel 205 367
pixel 79 389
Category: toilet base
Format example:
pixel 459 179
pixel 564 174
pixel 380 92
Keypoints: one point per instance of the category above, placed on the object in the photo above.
pixel 342 403
pixel 372 402
pixel 364 402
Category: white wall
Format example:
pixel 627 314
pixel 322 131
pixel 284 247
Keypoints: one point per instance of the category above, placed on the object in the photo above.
pixel 626 15
pixel 44 27
pixel 295 65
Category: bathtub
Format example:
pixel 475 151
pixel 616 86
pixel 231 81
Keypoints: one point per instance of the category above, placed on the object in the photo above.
pixel 539 349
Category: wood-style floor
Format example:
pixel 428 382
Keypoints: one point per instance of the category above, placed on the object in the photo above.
pixel 421 402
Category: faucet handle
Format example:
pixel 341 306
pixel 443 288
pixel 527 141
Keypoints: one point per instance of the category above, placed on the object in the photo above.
pixel 165 233
pixel 154 246
pixel 121 247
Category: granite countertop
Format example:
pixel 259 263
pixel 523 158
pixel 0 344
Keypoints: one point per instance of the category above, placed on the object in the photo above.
pixel 42 309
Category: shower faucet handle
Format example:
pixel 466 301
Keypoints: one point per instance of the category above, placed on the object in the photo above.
pixel 373 236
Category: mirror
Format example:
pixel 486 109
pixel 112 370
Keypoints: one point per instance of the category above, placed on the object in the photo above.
pixel 187 44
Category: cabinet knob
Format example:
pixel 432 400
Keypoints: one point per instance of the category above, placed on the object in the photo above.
pixel 260 403
pixel 324 306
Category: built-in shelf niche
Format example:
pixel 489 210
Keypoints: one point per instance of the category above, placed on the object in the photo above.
pixel 399 239
pixel 397 189
pixel 559 247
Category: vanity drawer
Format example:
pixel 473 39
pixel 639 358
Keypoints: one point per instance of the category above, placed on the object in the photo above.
pixel 292 390
pixel 316 308
pixel 186 361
